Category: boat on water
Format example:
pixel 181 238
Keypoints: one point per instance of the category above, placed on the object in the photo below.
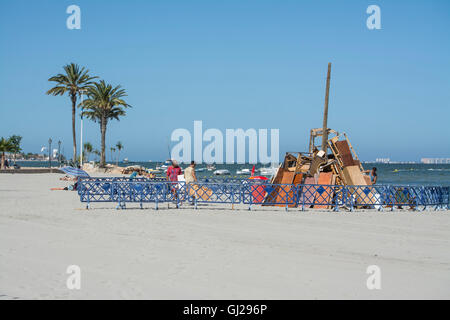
pixel 210 167
pixel 244 172
pixel 125 160
pixel 164 166
pixel 221 172
pixel 268 171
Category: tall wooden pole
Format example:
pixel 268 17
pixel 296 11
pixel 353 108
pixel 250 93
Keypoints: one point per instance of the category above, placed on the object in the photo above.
pixel 325 112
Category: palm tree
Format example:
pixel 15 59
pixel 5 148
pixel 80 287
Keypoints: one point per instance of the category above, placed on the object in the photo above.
pixel 112 153
pixel 15 143
pixel 104 103
pixel 75 81
pixel 96 152
pixel 87 147
pixel 6 145
pixel 119 147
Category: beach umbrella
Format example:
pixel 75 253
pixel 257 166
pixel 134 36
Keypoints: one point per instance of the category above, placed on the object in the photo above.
pixel 75 172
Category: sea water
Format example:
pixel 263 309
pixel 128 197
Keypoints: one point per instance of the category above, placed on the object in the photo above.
pixel 395 174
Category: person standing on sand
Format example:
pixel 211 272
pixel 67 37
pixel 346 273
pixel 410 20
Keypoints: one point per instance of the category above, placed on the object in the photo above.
pixel 189 173
pixel 172 175
pixel 373 175
pixel 190 178
pixel 173 171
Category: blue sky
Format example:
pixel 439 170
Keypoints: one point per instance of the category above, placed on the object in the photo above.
pixel 235 64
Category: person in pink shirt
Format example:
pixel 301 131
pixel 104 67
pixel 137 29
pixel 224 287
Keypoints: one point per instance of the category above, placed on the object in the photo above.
pixel 172 175
pixel 173 171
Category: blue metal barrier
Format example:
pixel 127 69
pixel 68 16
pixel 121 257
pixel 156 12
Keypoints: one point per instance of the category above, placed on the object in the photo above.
pixel 222 180
pixel 122 190
pixel 322 196
pixel 111 179
pixel 139 192
pixel 199 192
pixel 285 195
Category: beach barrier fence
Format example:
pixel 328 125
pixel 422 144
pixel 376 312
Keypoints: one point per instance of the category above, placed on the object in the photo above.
pixel 250 192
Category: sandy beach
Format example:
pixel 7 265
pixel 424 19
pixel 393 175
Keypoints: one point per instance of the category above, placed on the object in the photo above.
pixel 213 252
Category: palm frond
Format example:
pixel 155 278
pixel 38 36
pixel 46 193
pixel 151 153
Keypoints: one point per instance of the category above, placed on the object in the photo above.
pixel 74 81
pixel 104 101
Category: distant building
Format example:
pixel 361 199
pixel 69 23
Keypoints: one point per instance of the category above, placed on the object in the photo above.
pixel 382 160
pixel 435 160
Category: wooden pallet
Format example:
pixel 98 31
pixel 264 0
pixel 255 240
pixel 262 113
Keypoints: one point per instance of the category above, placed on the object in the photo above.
pixel 339 156
pixel 309 193
pixel 325 178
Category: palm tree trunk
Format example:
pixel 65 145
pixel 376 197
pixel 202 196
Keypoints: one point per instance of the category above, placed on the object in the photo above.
pixel 74 136
pixel 2 166
pixel 118 156
pixel 103 132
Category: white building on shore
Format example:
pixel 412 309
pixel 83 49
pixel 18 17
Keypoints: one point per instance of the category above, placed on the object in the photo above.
pixel 383 160
pixel 435 160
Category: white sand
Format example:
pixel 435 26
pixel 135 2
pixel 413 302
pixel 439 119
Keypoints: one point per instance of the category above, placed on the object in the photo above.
pixel 212 253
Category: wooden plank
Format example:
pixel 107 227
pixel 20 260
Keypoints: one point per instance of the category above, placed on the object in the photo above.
pixel 278 176
pixel 308 194
pixel 279 195
pixel 355 156
pixel 297 180
pixel 368 181
pixel 288 177
pixel 333 148
pixel 353 176
pixel 345 153
pixel 286 192
pixel 283 177
pixel 340 149
pixel 325 178
pixel 200 192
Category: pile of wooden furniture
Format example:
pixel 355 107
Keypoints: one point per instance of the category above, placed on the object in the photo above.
pixel 320 168
pixel 341 166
